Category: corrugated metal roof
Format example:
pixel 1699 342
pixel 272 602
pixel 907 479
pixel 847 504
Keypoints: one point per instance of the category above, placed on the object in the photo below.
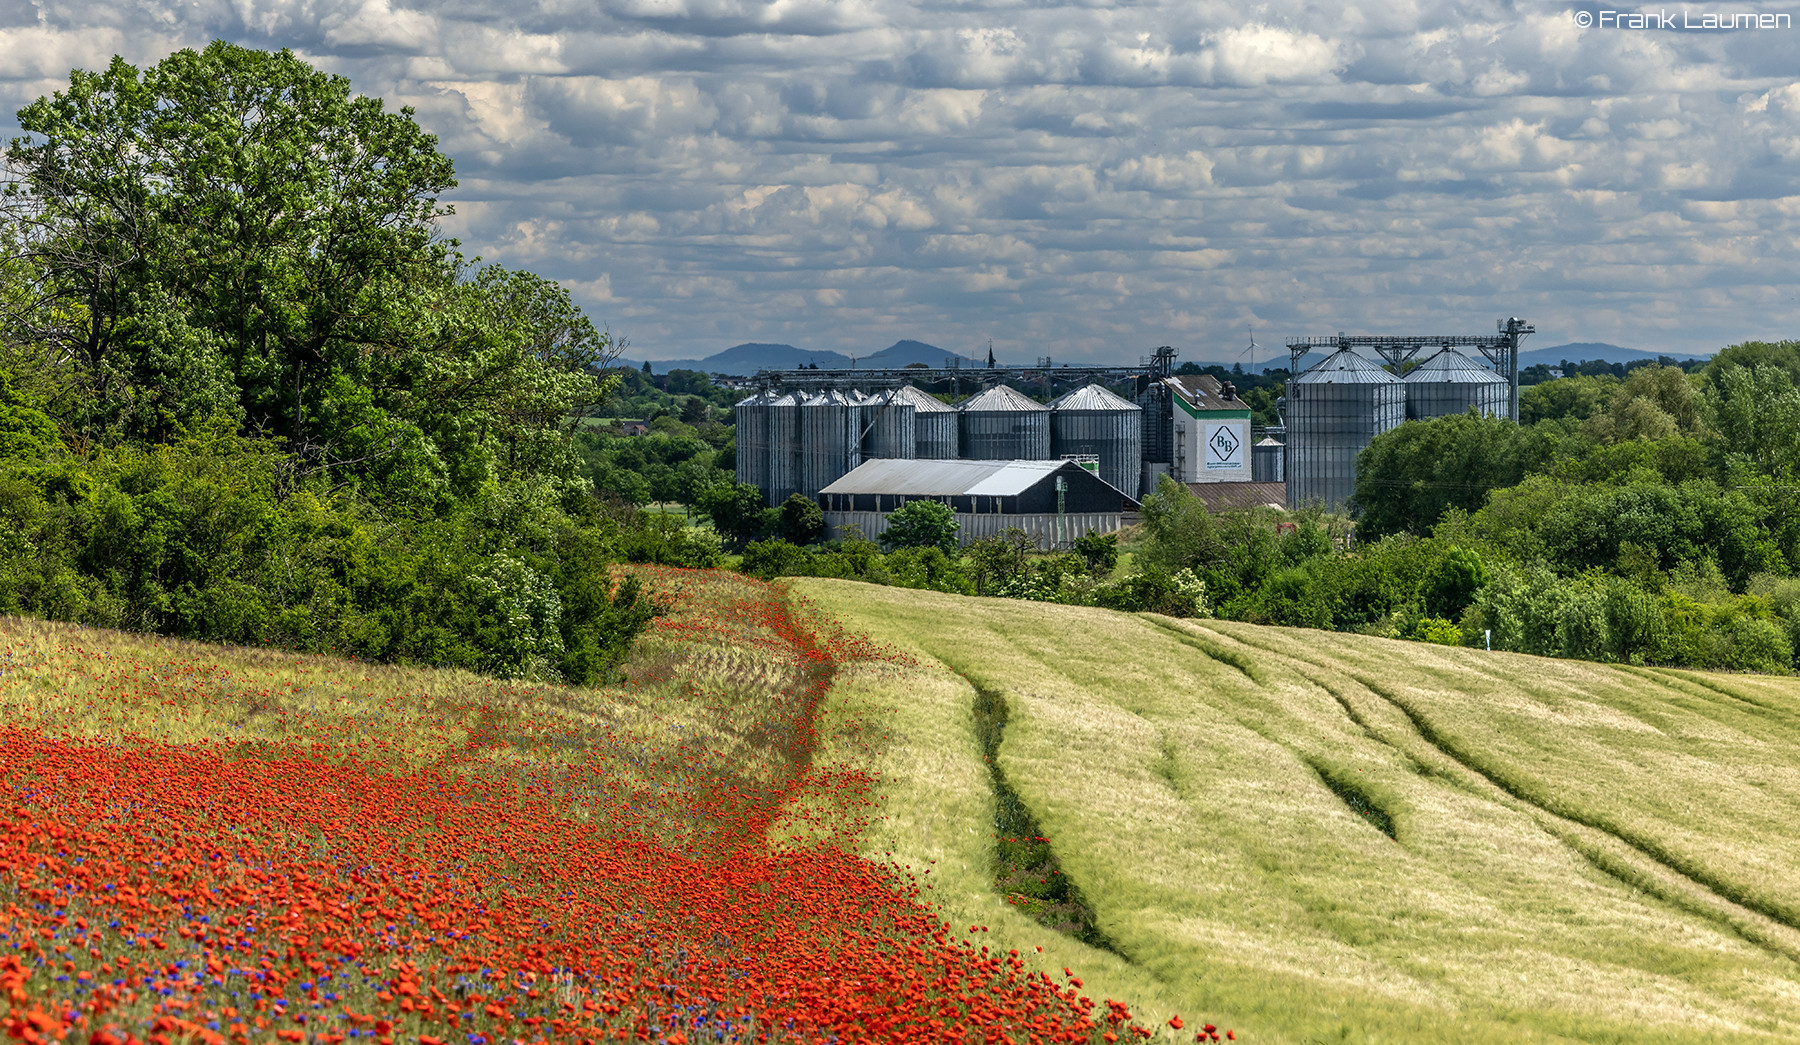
pixel 1452 367
pixel 1345 367
pixel 1219 497
pixel 829 397
pixel 1269 440
pixel 1000 399
pixel 754 399
pixel 922 402
pixel 1093 397
pixel 921 478
pixel 1206 392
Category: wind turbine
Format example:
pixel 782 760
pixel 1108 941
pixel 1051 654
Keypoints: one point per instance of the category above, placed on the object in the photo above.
pixel 1250 351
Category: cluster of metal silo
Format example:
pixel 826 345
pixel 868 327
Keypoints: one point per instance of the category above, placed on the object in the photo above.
pixel 1450 383
pixel 1333 411
pixel 830 440
pixel 801 443
pixel 1000 424
pixel 1094 421
pixel 752 415
pixel 888 427
pixel 783 413
pixel 1267 461
pixel 935 435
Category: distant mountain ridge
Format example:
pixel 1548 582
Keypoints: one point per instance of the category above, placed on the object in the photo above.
pixel 1580 351
pixel 751 356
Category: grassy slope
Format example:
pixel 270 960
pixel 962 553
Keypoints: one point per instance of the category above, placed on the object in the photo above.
pixel 1583 852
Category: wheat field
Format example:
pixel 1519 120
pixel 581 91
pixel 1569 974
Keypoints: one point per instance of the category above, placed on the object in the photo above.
pixel 1317 837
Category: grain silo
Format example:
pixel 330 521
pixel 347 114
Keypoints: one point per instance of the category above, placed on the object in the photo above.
pixel 934 424
pixel 1001 424
pixel 783 412
pixel 1266 461
pixel 888 429
pixel 1333 411
pixel 1450 383
pixel 752 415
pixel 1092 420
pixel 830 440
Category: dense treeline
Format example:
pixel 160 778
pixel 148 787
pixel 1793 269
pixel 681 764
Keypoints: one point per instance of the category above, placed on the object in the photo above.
pixel 249 393
pixel 1649 519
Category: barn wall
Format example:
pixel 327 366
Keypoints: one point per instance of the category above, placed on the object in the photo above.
pixel 1042 527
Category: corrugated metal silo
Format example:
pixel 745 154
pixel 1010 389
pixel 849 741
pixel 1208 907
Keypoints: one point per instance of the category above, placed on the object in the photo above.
pixel 1092 420
pixel 1450 383
pixel 1333 411
pixel 888 429
pixel 784 447
pixel 1000 424
pixel 934 424
pixel 753 439
pixel 1266 461
pixel 830 440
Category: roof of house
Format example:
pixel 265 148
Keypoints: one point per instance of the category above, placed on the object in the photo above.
pixel 1206 392
pixel 952 478
pixel 1220 496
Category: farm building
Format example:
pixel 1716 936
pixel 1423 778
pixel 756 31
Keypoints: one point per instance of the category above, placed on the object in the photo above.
pixel 1054 501
pixel 1210 437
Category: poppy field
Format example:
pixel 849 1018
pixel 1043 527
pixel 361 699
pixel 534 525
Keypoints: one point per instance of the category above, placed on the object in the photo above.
pixel 234 845
pixel 1321 837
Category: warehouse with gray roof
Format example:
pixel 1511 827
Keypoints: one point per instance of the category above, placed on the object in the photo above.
pixel 1053 501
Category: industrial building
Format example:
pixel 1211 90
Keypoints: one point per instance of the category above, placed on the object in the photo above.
pixel 806 431
pixel 1101 431
pixel 1053 501
pixel 1334 409
pixel 1210 431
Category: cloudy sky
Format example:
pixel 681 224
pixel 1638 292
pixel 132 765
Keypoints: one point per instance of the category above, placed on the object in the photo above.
pixel 1079 180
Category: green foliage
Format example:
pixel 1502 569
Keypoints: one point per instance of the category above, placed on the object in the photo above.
pixel 802 520
pixel 922 524
pixel 300 417
pixel 674 463
pixel 1574 398
pixel 666 539
pixel 1155 591
pixel 736 510
pixel 25 430
pixel 1000 561
pixel 1452 583
pixel 1438 631
pixel 196 540
pixel 1409 476
pixel 1100 550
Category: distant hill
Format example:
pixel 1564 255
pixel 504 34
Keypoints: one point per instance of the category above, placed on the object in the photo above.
pixel 906 353
pixel 746 359
pixel 751 356
pixel 1578 351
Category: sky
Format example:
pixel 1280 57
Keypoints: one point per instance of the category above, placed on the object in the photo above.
pixel 1084 181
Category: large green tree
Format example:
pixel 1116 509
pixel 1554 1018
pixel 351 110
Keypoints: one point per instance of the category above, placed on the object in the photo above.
pixel 234 233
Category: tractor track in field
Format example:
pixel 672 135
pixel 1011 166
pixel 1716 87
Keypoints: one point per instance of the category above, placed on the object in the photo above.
pixel 1074 914
pixel 1639 863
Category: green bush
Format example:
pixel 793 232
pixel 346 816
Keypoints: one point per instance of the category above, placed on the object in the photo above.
pixel 1155 591
pixel 922 524
pixel 197 540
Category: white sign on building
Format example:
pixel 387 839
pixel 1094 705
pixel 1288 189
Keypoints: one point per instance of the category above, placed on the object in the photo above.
pixel 1225 445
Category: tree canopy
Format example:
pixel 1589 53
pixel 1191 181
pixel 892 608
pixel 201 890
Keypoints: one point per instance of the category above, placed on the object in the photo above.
pixel 232 233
